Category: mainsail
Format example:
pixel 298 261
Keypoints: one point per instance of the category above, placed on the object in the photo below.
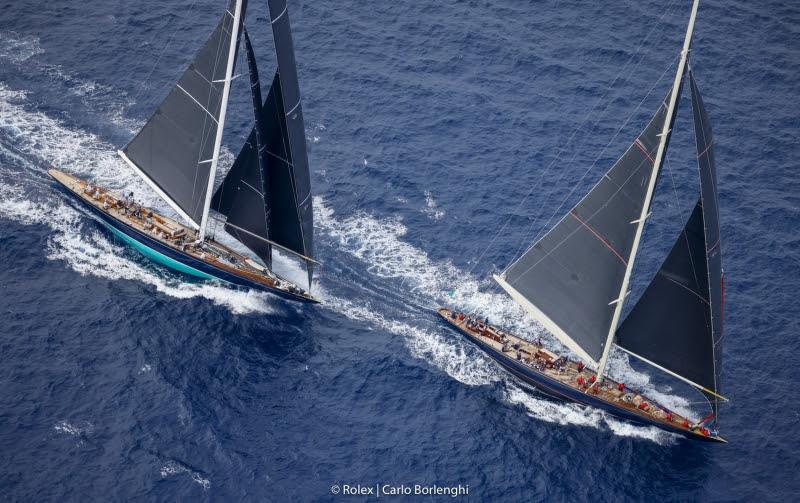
pixel 570 279
pixel 285 186
pixel 677 323
pixel 177 149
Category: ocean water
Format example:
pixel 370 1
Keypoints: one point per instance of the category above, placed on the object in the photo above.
pixel 444 136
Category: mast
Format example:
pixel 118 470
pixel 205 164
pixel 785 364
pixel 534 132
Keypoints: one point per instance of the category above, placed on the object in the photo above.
pixel 662 147
pixel 237 15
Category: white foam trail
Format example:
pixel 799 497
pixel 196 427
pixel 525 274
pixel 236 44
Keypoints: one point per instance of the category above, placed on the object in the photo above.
pixel 173 468
pixel 578 415
pixel 450 355
pixel 21 49
pixel 88 251
pixel 379 244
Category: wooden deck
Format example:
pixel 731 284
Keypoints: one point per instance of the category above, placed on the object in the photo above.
pixel 538 359
pixel 176 236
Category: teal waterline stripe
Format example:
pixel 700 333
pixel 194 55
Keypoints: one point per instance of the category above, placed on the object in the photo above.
pixel 160 257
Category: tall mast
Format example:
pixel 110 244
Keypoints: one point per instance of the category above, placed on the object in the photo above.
pixel 237 14
pixel 662 147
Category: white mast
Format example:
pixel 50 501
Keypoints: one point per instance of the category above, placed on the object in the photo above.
pixel 237 15
pixel 662 147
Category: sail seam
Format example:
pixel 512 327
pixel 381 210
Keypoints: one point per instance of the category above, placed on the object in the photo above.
pixel 253 188
pixel 599 237
pixel 685 288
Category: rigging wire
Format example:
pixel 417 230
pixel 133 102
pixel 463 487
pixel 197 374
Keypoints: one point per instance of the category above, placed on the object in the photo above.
pixel 527 236
pixel 587 171
pixel 144 82
pixel 585 119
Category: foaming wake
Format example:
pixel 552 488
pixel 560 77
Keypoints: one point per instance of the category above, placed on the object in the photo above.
pixel 89 252
pixel 21 51
pixel 450 355
pixel 379 244
pixel 42 140
pixel 577 415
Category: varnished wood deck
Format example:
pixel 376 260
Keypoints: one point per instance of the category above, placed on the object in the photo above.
pixel 539 360
pixel 175 235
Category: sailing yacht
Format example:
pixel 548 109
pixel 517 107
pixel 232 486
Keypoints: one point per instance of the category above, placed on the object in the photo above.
pixel 264 201
pixel 574 282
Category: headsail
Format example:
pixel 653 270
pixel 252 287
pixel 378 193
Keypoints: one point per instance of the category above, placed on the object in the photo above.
pixel 570 279
pixel 286 185
pixel 297 178
pixel 677 323
pixel 176 150
pixel 243 194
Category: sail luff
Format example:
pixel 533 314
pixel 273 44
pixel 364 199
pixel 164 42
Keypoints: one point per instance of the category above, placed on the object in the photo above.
pixel 662 148
pixel 237 16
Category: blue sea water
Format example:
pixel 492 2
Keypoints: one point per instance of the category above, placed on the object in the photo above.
pixel 443 137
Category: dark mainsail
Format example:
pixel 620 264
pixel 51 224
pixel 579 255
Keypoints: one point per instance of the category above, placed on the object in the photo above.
pixel 174 150
pixel 285 184
pixel 677 323
pixel 571 278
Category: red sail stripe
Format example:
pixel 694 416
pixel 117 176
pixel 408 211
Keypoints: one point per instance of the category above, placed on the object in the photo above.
pixel 643 149
pixel 598 236
pixel 704 152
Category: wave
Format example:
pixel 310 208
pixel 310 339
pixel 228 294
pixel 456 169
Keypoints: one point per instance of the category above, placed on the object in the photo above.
pixel 21 50
pixel 18 48
pixel 173 468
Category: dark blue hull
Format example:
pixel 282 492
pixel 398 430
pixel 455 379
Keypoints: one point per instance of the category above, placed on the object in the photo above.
pixel 122 229
pixel 560 390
